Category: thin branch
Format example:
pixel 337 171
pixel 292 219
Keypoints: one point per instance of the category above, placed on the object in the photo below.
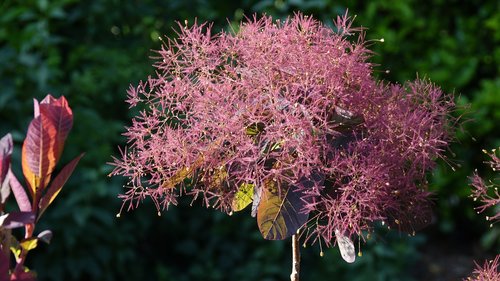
pixel 294 276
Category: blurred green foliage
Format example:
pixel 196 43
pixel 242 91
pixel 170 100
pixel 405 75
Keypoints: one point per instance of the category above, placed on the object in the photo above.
pixel 90 51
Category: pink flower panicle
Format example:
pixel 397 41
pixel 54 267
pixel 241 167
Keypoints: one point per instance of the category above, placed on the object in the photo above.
pixel 487 272
pixel 481 188
pixel 287 101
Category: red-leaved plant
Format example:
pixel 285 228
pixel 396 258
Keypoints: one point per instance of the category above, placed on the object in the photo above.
pixel 285 116
pixel 489 197
pixel 41 151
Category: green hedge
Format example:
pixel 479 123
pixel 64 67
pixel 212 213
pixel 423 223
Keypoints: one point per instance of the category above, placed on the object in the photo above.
pixel 90 51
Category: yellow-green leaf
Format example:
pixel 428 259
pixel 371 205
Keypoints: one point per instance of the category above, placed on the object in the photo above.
pixel 29 244
pixel 243 197
pixel 254 129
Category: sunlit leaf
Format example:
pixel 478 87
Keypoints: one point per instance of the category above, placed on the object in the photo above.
pixel 44 141
pixel 255 129
pixel 37 165
pixel 243 197
pixel 61 116
pixel 182 174
pixel 216 178
pixel 29 244
pixel 346 247
pixel 57 184
pixel 276 146
pixel 279 213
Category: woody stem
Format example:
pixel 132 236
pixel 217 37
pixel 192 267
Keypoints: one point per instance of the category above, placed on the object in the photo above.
pixel 294 276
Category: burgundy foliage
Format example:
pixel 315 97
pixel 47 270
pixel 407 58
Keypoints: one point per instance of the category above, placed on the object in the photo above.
pixel 292 102
pixel 41 151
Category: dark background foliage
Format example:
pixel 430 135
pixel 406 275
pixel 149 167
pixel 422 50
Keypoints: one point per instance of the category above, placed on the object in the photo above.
pixel 90 51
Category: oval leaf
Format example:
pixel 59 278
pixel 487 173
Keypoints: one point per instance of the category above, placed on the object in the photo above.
pixel 36 147
pixel 60 115
pixel 44 141
pixel 346 247
pixel 29 244
pixel 243 197
pixel 278 214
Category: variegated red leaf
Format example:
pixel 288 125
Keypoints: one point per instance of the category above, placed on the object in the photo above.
pixel 60 116
pixel 44 142
pixel 35 154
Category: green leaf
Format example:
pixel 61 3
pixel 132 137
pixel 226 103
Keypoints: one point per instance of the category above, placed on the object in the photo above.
pixel 255 129
pixel 243 197
pixel 29 244
pixel 278 214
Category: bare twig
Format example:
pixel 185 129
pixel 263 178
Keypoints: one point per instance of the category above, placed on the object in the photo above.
pixel 294 276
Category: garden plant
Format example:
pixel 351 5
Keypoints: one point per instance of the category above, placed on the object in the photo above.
pixel 285 119
pixel 41 151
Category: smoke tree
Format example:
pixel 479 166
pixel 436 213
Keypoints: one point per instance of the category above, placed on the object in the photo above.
pixel 285 118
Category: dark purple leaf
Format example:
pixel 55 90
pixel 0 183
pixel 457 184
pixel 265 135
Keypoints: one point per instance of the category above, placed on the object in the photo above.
pixel 4 266
pixel 19 193
pixel 5 156
pixel 23 276
pixel 16 219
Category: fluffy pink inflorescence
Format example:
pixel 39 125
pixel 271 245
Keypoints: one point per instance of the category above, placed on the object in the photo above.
pixel 487 272
pixel 285 101
pixel 480 189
